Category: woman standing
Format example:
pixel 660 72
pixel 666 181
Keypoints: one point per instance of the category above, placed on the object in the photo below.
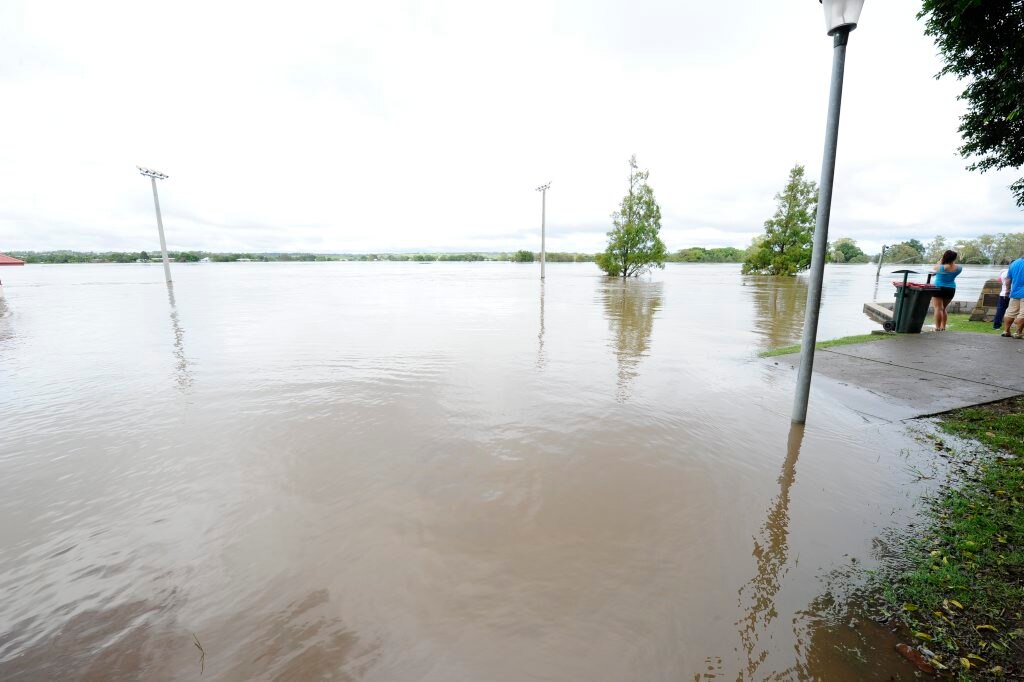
pixel 946 271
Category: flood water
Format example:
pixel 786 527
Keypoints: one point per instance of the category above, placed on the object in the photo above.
pixel 400 471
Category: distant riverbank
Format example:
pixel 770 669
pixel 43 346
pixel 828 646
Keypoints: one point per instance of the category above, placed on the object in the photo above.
pixel 695 254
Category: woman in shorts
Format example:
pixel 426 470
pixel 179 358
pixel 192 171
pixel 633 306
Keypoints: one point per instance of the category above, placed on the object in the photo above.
pixel 946 271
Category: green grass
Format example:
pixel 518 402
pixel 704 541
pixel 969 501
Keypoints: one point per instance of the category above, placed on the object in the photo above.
pixel 844 341
pixel 960 589
pixel 962 323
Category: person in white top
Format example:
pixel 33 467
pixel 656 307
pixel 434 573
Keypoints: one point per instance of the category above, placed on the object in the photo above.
pixel 1004 300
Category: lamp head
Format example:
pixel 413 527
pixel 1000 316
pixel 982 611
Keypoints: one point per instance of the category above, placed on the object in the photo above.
pixel 150 173
pixel 840 14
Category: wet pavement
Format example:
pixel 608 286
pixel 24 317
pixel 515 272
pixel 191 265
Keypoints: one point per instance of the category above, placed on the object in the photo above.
pixel 918 374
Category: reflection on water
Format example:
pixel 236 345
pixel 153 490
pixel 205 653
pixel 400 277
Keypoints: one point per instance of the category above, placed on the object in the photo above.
pixel 117 642
pixel 302 641
pixel 540 334
pixel 6 331
pixel 630 306
pixel 371 480
pixel 182 374
pixel 771 553
pixel 779 304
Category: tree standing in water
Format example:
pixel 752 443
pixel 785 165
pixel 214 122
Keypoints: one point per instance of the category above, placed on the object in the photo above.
pixel 634 244
pixel 786 246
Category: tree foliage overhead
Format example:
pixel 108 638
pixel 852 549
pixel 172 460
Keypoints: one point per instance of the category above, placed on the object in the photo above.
pixel 982 41
pixel 634 242
pixel 785 248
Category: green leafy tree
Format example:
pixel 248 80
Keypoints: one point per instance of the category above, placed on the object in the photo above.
pixel 845 250
pixel 523 256
pixel 969 253
pixel 916 245
pixel 786 246
pixel 143 256
pixel 988 245
pixel 980 41
pixel 936 248
pixel 903 254
pixel 634 242
pixel 1009 247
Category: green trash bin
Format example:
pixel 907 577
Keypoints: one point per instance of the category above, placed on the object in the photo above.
pixel 912 301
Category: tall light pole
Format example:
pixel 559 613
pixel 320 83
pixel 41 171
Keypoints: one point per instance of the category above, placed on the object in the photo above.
pixel 543 189
pixel 840 18
pixel 153 177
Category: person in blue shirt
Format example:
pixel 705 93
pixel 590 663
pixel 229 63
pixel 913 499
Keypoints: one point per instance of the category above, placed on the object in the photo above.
pixel 946 272
pixel 1015 310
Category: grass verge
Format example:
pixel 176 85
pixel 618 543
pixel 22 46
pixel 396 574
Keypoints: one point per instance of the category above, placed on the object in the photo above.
pixel 962 323
pixel 956 323
pixel 844 341
pixel 959 590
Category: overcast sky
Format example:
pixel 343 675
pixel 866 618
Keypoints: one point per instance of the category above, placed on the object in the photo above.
pixel 399 125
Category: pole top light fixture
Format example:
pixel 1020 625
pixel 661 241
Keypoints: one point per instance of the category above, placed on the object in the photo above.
pixel 543 188
pixel 841 14
pixel 150 173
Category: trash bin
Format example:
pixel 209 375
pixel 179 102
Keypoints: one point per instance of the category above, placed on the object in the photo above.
pixel 912 301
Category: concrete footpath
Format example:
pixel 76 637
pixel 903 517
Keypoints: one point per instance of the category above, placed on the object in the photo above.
pixel 915 375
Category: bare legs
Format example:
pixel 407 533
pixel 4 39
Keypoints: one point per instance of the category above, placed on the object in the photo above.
pixel 940 314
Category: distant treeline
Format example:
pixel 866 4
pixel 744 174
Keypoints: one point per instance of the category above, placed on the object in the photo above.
pixel 988 249
pixel 145 256
pixel 698 254
pixel 64 256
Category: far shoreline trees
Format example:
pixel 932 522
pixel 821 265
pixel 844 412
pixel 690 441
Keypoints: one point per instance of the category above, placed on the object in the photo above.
pixel 634 242
pixel 986 249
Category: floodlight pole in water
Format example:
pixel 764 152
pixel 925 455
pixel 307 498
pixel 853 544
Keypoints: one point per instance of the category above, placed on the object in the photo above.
pixel 153 177
pixel 841 18
pixel 543 189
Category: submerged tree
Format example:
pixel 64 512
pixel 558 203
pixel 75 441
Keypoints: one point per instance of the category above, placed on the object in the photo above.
pixel 786 246
pixel 845 250
pixel 981 43
pixel 634 244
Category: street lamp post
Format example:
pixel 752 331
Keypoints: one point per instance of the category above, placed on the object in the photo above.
pixel 840 18
pixel 153 177
pixel 543 189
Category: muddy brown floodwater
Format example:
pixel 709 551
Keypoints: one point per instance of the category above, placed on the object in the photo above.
pixel 377 471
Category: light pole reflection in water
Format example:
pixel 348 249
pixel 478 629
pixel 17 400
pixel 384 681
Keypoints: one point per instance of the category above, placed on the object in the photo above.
pixel 541 359
pixel 181 370
pixel 631 307
pixel 771 554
